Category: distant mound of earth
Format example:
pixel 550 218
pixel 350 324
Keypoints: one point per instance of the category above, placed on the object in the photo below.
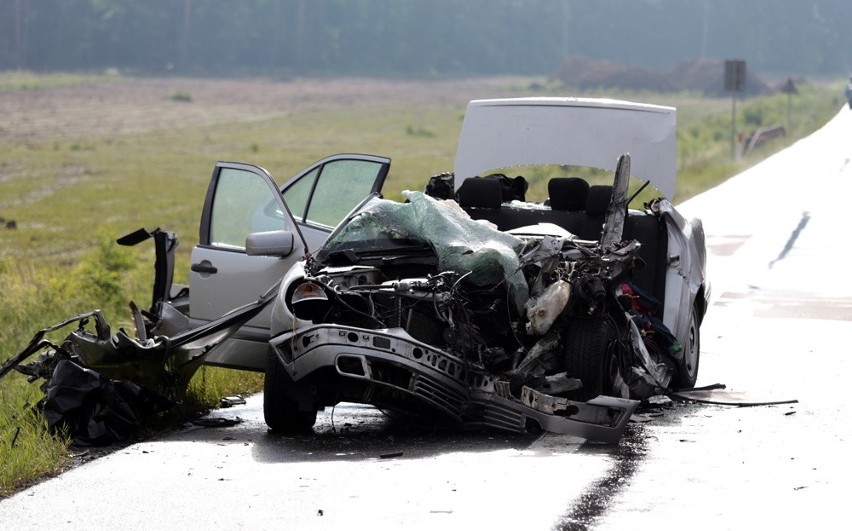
pixel 706 76
pixel 585 73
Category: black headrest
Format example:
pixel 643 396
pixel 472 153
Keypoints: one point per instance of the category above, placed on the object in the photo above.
pixel 598 200
pixel 513 188
pixel 480 193
pixel 568 193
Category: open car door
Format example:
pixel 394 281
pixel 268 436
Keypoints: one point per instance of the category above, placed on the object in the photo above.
pixel 249 238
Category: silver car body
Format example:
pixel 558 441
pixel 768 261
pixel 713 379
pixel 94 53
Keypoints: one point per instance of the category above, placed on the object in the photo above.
pixel 498 134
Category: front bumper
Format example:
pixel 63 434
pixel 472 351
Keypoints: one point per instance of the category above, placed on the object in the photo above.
pixel 440 382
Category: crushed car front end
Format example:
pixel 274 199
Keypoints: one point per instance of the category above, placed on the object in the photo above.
pixel 496 311
pixel 461 324
pixel 390 369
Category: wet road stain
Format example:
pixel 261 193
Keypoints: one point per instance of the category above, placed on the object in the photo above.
pixel 597 498
pixel 803 222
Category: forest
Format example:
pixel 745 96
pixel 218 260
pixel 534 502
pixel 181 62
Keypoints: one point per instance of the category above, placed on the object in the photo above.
pixel 419 38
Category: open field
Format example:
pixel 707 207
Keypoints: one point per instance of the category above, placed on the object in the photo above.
pixel 85 159
pixel 117 153
pixel 103 107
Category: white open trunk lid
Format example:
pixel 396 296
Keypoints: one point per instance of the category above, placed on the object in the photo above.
pixel 502 133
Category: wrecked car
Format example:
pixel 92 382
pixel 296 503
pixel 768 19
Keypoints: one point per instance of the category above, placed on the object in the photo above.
pixel 503 313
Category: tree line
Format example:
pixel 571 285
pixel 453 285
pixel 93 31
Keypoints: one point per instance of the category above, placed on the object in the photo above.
pixel 418 37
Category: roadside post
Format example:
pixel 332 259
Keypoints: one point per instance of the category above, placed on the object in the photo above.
pixel 789 89
pixel 735 76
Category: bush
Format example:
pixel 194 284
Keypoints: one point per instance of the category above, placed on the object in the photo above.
pixel 184 97
pixel 100 275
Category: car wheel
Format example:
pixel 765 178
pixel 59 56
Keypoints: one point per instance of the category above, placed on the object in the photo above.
pixel 687 373
pixel 282 413
pixel 588 357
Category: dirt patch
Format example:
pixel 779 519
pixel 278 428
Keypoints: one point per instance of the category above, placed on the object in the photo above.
pixel 134 105
pixel 705 76
pixel 586 74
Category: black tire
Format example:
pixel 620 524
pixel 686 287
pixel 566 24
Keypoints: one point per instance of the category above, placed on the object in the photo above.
pixel 687 372
pixel 282 413
pixel 588 356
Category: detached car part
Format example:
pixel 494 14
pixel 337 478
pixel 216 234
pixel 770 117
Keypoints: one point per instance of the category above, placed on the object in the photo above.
pixel 102 385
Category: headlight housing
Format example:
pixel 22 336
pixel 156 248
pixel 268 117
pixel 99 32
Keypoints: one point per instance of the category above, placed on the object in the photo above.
pixel 307 300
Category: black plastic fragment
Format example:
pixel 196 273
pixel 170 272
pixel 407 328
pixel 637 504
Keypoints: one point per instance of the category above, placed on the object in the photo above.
pixel 95 410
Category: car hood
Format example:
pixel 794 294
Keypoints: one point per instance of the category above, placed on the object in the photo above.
pixel 502 133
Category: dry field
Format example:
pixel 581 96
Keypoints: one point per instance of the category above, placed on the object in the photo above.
pixel 113 107
pixel 75 155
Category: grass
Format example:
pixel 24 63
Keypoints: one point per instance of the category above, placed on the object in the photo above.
pixel 26 80
pixel 71 197
pixel 181 96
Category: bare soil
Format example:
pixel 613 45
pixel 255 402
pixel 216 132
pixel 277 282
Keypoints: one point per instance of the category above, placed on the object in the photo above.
pixel 127 105
pixel 705 76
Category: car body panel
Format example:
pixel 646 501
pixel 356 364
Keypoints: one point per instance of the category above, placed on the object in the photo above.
pixel 436 382
pixel 242 199
pixel 685 275
pixel 503 133
pixel 338 184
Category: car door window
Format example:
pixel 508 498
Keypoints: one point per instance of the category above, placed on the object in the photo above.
pixel 326 194
pixel 298 194
pixel 243 204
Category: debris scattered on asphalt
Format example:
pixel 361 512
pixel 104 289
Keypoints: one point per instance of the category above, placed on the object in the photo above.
pixel 217 422
pixel 659 400
pixel 230 401
pixel 718 395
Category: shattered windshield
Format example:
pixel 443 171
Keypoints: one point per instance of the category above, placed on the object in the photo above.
pixel 483 254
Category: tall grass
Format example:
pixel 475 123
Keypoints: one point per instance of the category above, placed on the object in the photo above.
pixel 71 197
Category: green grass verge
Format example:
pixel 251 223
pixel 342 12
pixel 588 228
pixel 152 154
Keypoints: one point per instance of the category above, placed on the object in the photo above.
pixel 70 198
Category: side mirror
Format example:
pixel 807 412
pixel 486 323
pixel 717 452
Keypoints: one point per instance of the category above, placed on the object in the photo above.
pixel 278 243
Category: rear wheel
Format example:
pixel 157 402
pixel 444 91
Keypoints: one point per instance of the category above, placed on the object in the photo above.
pixel 589 358
pixel 282 413
pixel 687 372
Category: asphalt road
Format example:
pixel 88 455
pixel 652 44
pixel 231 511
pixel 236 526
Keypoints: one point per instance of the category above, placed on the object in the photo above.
pixel 778 329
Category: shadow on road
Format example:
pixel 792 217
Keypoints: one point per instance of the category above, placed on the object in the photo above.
pixel 363 433
pixel 350 432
